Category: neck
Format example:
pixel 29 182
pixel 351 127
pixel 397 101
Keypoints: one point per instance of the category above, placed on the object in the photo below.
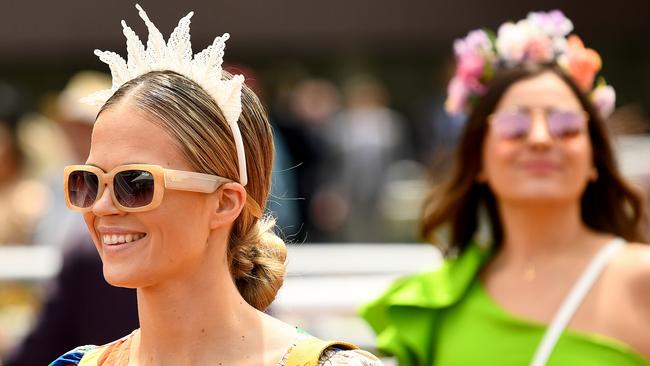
pixel 541 230
pixel 194 319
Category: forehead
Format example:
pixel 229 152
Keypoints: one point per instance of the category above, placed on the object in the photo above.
pixel 123 134
pixel 546 90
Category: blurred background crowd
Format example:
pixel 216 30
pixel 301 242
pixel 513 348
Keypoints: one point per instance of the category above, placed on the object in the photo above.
pixel 355 91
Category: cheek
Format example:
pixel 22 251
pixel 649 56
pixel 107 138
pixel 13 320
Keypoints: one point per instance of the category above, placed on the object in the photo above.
pixel 89 218
pixel 179 222
pixel 496 158
pixel 579 158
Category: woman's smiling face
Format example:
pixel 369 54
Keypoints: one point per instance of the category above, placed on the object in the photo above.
pixel 175 233
pixel 538 166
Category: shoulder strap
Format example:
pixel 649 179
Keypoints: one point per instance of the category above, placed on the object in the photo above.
pixel 574 299
pixel 308 351
pixel 91 358
pixel 115 353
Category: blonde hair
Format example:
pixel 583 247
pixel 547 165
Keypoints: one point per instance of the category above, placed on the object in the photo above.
pixel 256 255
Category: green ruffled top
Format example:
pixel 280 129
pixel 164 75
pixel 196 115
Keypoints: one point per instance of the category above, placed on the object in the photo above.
pixel 446 318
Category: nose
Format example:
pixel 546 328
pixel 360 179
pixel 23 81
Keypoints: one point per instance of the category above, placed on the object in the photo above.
pixel 539 135
pixel 105 206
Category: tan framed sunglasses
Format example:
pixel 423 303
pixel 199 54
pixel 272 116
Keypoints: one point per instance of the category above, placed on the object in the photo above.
pixel 133 187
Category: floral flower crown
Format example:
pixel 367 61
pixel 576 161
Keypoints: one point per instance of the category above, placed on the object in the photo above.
pixel 541 37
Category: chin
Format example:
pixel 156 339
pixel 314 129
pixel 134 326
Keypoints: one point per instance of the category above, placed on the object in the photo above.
pixel 122 277
pixel 539 196
pixel 542 190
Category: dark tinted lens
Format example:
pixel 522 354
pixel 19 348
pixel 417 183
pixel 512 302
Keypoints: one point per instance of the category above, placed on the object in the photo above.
pixel 82 188
pixel 565 123
pixel 510 125
pixel 133 188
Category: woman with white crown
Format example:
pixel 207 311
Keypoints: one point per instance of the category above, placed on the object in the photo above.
pixel 539 228
pixel 173 194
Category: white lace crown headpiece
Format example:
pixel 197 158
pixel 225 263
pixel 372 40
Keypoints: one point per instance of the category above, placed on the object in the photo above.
pixel 176 55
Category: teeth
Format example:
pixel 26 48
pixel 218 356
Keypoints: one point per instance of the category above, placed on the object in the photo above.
pixel 121 239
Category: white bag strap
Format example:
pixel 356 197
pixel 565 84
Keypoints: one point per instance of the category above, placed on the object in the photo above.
pixel 573 301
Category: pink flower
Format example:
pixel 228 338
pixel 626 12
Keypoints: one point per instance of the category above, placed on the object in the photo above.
pixel 457 94
pixel 470 66
pixel 472 54
pixel 475 87
pixel 604 98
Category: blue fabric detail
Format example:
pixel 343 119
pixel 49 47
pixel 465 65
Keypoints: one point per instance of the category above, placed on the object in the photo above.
pixel 72 358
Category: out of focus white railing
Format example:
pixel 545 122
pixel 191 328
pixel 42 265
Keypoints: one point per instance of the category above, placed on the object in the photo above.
pixel 326 284
pixel 29 263
pixel 324 287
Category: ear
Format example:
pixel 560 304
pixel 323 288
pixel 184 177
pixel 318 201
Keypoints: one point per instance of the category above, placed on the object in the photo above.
pixel 228 204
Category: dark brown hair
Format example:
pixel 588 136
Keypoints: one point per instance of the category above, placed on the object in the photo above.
pixel 609 204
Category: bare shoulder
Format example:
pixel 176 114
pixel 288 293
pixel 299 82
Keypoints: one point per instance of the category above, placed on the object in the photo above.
pixel 278 337
pixel 631 269
pixel 278 331
pixel 627 303
pixel 634 260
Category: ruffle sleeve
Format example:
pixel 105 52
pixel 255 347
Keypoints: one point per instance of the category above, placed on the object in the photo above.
pixel 404 317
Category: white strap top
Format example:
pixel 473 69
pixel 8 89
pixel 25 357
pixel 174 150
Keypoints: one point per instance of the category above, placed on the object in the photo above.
pixel 574 299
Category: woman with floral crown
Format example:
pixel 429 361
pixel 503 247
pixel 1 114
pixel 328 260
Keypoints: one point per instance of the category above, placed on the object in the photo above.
pixel 543 264
pixel 173 194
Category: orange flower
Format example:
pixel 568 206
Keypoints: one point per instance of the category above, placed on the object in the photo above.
pixel 582 63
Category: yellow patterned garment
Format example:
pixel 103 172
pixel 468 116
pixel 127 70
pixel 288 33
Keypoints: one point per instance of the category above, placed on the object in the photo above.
pixel 117 354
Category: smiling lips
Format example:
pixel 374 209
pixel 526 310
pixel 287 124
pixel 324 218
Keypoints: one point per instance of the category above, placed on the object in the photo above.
pixel 540 166
pixel 115 239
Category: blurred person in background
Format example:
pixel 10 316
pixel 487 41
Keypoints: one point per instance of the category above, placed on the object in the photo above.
pixel 21 197
pixel 21 204
pixel 108 312
pixel 283 201
pixel 365 138
pixel 437 132
pixel 305 113
pixel 173 194
pixel 544 264
pixel 59 226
